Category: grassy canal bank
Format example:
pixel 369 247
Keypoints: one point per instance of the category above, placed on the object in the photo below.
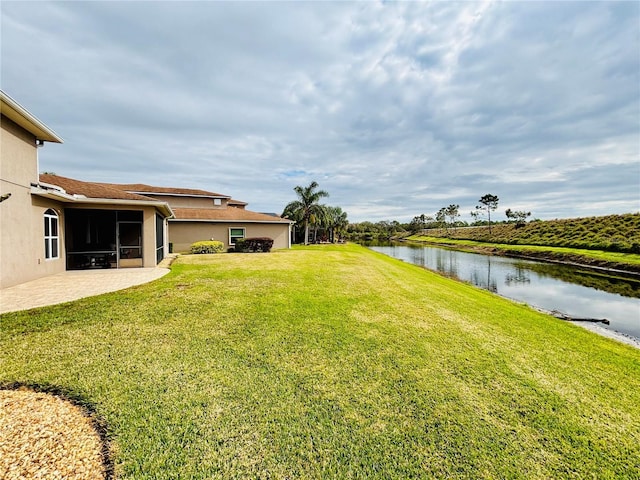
pixel 597 259
pixel 608 242
pixel 332 362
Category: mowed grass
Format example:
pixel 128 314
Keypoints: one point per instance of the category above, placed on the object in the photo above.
pixel 333 362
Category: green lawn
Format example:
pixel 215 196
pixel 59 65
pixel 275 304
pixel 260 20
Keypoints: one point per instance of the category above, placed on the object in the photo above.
pixel 333 362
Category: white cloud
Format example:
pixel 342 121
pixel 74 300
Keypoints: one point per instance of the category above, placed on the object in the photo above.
pixel 396 109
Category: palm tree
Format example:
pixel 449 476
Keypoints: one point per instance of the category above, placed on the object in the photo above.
pixel 320 220
pixel 337 221
pixel 306 208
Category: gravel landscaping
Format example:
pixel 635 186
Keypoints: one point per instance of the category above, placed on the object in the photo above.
pixel 43 436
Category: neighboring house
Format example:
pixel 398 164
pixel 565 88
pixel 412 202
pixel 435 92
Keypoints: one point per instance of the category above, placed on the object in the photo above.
pixel 202 215
pixel 50 223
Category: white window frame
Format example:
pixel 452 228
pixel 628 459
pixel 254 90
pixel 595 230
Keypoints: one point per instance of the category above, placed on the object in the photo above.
pixel 217 202
pixel 244 235
pixel 51 220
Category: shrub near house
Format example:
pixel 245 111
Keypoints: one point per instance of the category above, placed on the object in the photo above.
pixel 207 246
pixel 259 244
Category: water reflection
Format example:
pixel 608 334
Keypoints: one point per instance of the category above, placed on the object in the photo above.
pixel 620 286
pixel 576 292
pixel 519 277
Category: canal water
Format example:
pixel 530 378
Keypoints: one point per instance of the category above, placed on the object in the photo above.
pixel 570 290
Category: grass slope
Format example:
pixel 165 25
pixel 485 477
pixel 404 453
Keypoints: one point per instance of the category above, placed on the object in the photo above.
pixel 333 362
pixel 612 233
pixel 624 261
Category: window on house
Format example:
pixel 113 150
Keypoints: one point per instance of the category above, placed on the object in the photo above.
pixel 217 201
pixel 235 234
pixel 51 235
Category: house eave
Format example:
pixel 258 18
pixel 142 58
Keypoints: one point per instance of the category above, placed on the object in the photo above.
pixel 21 116
pixel 207 220
pixel 222 197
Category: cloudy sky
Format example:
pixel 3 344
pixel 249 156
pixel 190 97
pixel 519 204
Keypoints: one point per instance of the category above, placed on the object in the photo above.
pixel 396 109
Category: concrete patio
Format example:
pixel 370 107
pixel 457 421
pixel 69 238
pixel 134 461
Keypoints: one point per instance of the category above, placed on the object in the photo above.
pixel 74 284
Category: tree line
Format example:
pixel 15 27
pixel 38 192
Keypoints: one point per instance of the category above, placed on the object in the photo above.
pixel 445 218
pixel 316 222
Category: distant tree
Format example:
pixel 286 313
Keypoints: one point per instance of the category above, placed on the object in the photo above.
pixel 361 227
pixel 452 211
pixel 395 227
pixel 419 222
pixel 441 217
pixel 384 228
pixel 428 221
pixel 306 208
pixel 423 220
pixel 415 225
pixel 488 203
pixel 519 217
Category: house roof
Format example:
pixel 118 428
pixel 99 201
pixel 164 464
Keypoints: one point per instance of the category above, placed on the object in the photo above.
pixel 231 214
pixel 20 115
pixel 142 189
pixel 89 189
pixel 77 190
pixel 70 190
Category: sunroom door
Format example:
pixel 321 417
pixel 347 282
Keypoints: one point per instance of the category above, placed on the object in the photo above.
pixel 129 244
